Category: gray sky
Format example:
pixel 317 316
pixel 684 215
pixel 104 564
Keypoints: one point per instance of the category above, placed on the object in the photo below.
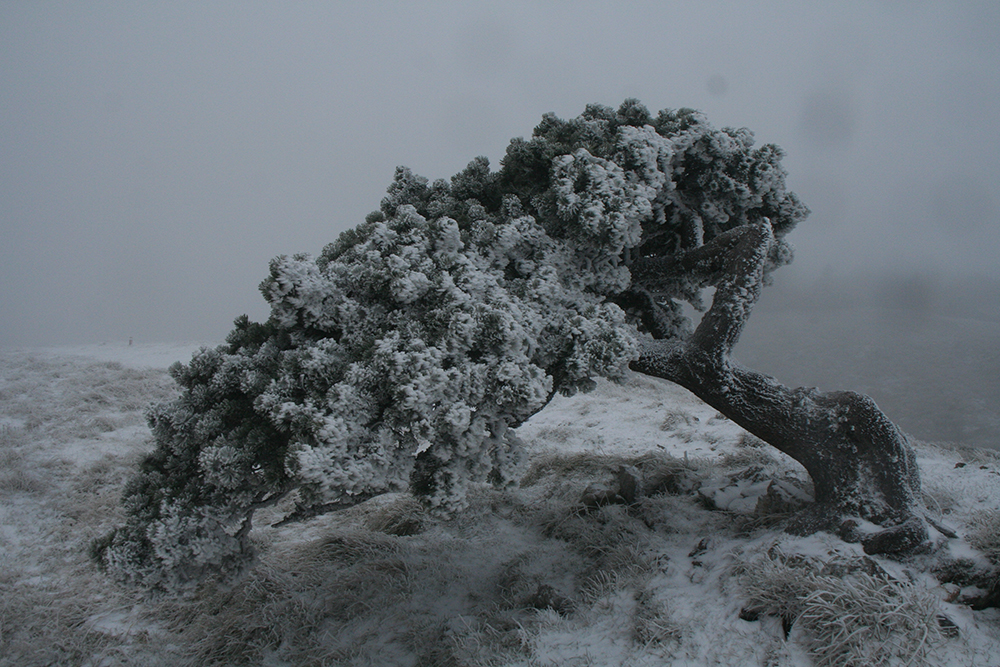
pixel 155 156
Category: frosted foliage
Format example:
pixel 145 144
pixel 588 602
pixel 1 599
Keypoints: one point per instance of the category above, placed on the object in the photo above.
pixel 648 155
pixel 603 211
pixel 189 545
pixel 738 179
pixel 437 354
pixel 405 353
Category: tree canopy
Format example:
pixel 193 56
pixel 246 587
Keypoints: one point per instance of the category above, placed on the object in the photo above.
pixel 406 352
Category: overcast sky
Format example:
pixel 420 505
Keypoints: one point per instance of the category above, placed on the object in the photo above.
pixel 154 156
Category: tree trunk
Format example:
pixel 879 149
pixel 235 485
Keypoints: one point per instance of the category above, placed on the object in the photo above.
pixel 860 463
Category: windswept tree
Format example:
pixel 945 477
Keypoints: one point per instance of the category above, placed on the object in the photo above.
pixel 404 355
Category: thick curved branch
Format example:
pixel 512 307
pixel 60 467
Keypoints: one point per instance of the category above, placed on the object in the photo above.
pixel 703 264
pixel 860 463
pixel 306 512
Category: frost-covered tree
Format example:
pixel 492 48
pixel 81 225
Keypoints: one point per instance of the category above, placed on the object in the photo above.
pixel 404 355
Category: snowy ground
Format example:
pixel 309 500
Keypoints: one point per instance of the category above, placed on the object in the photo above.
pixel 544 574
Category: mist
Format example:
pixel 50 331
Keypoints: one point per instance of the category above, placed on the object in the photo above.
pixel 155 156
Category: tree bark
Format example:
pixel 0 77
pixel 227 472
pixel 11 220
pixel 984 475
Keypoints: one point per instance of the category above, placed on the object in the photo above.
pixel 860 463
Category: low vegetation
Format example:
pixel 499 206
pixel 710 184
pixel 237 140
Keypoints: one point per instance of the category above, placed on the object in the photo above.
pixel 602 555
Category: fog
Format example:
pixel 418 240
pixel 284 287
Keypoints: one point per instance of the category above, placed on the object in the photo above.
pixel 155 156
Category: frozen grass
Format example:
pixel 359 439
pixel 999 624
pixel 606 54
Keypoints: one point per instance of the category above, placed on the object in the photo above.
pixel 66 447
pixel 864 621
pixel 53 625
pixel 849 612
pixel 15 476
pixel 527 576
pixel 304 611
pixel 984 534
pixel 653 625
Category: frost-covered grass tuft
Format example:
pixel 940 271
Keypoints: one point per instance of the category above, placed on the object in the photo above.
pixel 403 516
pixel 846 616
pixel 865 621
pixel 16 476
pixel 653 623
pixel 308 603
pixel 486 642
pixel 984 534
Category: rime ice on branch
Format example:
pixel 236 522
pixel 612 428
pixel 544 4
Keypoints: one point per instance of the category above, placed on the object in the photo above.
pixel 860 463
pixel 405 353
